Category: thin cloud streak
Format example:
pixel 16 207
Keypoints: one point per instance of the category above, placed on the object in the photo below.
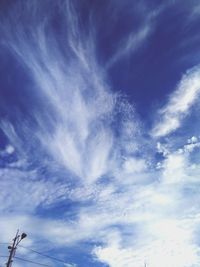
pixel 131 45
pixel 138 38
pixel 179 104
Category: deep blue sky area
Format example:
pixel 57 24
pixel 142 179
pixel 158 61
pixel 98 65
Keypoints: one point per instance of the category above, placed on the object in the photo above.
pixel 153 72
pixel 146 76
pixel 99 132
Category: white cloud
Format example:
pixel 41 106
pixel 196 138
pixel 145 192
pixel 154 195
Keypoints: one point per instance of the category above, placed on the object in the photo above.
pixel 136 212
pixel 139 37
pixel 161 148
pixel 172 245
pixel 25 189
pixel 135 223
pixel 132 165
pixel 133 43
pixel 70 265
pixel 179 104
pixel 165 231
pixel 174 168
pixel 10 149
pixel 79 139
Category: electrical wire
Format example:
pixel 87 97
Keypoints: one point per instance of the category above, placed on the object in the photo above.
pixel 44 255
pixel 32 261
pixel 27 261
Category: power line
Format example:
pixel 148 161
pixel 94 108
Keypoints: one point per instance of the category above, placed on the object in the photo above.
pixel 32 261
pixel 26 260
pixel 44 255
pixel 40 253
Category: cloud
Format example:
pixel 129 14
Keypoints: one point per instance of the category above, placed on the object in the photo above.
pixel 70 265
pixel 194 12
pixel 82 150
pixel 131 44
pixel 175 251
pixel 164 231
pixel 179 104
pixel 138 37
pixel 29 192
pixel 76 126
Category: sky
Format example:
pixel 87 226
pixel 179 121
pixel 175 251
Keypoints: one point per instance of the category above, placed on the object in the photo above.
pixel 100 132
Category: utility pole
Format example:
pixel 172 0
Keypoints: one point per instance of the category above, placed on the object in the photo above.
pixel 17 239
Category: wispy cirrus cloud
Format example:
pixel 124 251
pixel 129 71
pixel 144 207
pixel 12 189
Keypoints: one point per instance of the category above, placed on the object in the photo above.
pixel 139 37
pixel 81 148
pixel 78 106
pixel 132 43
pixel 179 104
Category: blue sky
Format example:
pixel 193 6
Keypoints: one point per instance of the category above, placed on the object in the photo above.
pixel 99 131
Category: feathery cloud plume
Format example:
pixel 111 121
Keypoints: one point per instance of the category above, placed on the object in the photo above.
pixel 179 104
